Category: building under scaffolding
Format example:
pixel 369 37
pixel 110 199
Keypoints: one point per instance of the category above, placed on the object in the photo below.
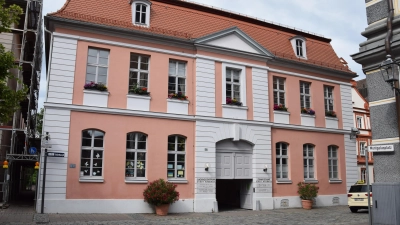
pixel 19 135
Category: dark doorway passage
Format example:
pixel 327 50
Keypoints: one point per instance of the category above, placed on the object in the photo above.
pixel 23 183
pixel 229 194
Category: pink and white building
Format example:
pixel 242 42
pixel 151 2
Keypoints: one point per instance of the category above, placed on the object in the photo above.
pixel 224 145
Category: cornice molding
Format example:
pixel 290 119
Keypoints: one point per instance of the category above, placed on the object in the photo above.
pixel 194 118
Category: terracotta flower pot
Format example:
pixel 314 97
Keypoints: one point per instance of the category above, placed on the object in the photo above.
pixel 307 204
pixel 162 210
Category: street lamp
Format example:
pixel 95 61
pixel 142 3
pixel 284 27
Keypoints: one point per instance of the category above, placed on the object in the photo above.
pixel 354 132
pixel 389 71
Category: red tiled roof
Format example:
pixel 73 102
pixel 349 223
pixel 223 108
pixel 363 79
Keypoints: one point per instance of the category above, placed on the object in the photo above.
pixel 187 20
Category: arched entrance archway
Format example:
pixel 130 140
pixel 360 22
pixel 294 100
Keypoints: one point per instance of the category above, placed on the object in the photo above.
pixel 234 174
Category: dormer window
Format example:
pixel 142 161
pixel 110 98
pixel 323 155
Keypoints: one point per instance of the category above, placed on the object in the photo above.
pixel 141 12
pixel 299 46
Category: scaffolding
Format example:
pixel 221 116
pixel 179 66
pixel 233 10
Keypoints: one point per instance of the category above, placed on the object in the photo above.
pixel 26 43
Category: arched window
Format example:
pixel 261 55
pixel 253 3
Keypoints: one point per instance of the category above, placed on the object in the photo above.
pixel 92 153
pixel 333 162
pixel 141 12
pixel 281 150
pixel 299 46
pixel 308 159
pixel 176 156
pixel 135 166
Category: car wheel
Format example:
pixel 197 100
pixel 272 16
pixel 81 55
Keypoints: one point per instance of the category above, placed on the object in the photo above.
pixel 353 210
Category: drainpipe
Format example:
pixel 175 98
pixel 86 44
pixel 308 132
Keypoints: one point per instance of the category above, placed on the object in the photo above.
pixel 389 22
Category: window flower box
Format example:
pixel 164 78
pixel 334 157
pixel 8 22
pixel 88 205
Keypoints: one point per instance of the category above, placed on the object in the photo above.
pixel 330 114
pixel 230 101
pixel 281 116
pixel 307 111
pixel 138 90
pixel 95 86
pixel 93 97
pixel 178 95
pixel 280 107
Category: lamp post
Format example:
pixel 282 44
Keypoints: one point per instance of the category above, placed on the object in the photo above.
pixel 368 186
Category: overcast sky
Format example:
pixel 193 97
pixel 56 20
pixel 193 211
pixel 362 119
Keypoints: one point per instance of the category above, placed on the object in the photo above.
pixel 340 20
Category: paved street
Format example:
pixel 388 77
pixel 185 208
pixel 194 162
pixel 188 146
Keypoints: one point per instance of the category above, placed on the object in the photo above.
pixel 326 215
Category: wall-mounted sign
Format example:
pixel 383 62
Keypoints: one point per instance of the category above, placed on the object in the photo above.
pixel 381 148
pixel 206 185
pixel 55 154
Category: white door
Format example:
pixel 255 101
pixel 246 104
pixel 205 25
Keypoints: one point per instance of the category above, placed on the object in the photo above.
pixel 243 166
pixel 246 194
pixel 224 167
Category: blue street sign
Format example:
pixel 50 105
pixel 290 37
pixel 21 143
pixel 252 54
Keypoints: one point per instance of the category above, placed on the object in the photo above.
pixel 32 150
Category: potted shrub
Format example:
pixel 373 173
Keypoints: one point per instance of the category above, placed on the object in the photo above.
pixel 178 95
pixel 280 107
pixel 307 193
pixel 233 101
pixel 330 113
pixel 161 194
pixel 95 86
pixel 138 90
pixel 307 111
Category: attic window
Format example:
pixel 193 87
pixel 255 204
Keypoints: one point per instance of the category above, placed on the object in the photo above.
pixel 141 12
pixel 299 46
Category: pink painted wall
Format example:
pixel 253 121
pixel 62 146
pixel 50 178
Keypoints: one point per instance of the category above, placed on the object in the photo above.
pixel 116 127
pixel 118 76
pixel 218 91
pixel 292 94
pixel 295 162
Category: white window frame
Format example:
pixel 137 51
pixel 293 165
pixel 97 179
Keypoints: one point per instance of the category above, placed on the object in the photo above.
pixel 308 158
pixel 331 160
pixel 359 121
pixel 242 75
pixel 139 71
pixel 229 73
pixel 141 2
pixel 278 92
pixel 361 147
pixel 304 95
pixel 363 172
pixel 295 45
pixel 91 148
pixel 176 76
pixel 175 152
pixel 135 162
pixel 328 100
pixel 279 167
pixel 97 64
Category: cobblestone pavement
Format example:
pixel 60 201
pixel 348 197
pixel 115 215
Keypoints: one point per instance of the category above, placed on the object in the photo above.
pixel 325 215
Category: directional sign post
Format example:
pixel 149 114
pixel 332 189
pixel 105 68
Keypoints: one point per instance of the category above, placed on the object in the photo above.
pixel 55 154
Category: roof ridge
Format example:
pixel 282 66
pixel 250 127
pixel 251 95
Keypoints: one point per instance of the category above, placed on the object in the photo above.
pixel 60 10
pixel 256 18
